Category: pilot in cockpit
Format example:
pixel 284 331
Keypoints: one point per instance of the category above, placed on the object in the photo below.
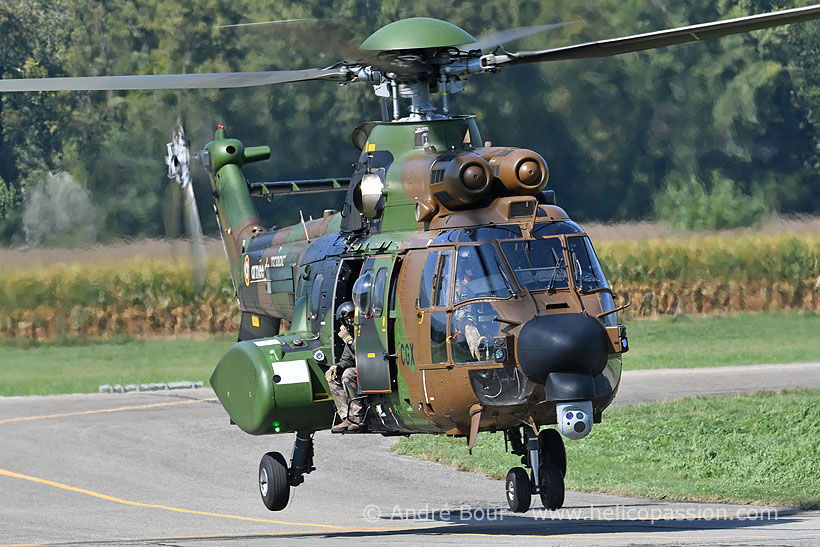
pixel 471 279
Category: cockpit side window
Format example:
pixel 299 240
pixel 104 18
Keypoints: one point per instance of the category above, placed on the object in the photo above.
pixel 586 269
pixel 480 273
pixel 589 275
pixel 473 332
pixel 442 288
pixel 426 288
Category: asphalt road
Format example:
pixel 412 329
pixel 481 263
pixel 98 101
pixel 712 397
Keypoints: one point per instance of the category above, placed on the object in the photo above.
pixel 165 468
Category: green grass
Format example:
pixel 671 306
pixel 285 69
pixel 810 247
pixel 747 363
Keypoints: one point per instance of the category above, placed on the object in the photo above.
pixel 719 340
pixel 82 365
pixel 754 449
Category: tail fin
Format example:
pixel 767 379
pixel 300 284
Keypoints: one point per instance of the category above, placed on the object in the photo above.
pixel 236 214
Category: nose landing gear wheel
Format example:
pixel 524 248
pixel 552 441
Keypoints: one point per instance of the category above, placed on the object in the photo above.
pixel 552 449
pixel 273 481
pixel 552 487
pixel 519 491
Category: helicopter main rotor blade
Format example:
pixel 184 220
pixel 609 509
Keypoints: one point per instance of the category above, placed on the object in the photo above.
pixel 652 40
pixel 172 81
pixel 267 23
pixel 335 37
pixel 491 41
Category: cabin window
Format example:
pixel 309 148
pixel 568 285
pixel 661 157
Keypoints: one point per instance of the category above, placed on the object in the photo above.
pixel 472 333
pixel 538 264
pixel 480 274
pixel 378 292
pixel 316 296
pixel 443 278
pixel 361 293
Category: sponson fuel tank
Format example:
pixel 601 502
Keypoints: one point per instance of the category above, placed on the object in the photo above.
pixel 272 385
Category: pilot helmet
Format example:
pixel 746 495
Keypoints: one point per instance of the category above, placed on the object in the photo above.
pixel 466 260
pixel 344 311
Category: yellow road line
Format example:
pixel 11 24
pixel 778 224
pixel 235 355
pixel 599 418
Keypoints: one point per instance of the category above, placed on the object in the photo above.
pixel 119 409
pixel 12 474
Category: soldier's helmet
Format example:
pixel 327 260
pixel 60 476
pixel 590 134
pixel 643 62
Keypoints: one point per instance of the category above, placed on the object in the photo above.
pixel 345 310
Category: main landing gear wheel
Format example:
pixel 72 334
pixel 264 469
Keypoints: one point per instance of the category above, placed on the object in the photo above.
pixel 552 487
pixel 552 449
pixel 519 491
pixel 273 481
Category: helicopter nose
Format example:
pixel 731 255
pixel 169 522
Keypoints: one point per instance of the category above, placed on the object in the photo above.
pixel 564 342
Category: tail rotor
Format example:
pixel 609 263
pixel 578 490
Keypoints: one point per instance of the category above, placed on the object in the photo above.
pixel 178 161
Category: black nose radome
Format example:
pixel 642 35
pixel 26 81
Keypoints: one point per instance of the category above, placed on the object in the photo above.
pixel 564 342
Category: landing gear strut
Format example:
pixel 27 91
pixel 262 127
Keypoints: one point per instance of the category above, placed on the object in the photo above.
pixel 545 457
pixel 275 479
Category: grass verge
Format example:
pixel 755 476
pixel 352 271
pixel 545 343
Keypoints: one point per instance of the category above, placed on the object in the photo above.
pixel 760 449
pixel 684 341
pixel 82 365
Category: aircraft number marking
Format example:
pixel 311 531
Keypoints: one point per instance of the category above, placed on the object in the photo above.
pixel 406 355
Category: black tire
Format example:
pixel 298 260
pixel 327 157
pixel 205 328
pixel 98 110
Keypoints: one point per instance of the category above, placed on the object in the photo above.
pixel 519 490
pixel 552 449
pixel 552 487
pixel 273 481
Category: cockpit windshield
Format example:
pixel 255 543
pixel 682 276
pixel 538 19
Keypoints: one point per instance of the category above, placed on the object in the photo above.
pixel 538 264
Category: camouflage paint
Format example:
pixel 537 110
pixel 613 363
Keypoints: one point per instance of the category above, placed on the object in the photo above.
pixel 292 274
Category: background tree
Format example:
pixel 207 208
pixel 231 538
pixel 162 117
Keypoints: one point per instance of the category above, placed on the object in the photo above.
pixel 33 39
pixel 616 132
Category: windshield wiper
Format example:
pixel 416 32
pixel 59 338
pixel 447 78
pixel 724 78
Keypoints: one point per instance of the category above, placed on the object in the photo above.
pixel 555 271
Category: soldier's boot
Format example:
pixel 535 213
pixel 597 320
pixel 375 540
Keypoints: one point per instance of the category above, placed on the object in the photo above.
pixel 343 426
pixel 355 416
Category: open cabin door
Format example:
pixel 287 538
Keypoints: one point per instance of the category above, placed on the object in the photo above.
pixel 374 327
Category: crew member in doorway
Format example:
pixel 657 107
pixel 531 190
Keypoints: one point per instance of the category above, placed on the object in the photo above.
pixel 343 379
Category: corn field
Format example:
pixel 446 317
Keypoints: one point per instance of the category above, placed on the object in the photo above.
pixel 156 297
pixel 139 297
pixel 716 274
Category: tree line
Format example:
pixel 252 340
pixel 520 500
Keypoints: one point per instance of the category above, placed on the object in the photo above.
pixel 717 132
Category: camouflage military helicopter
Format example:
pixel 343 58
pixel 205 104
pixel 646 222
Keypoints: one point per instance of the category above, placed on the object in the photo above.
pixel 480 305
